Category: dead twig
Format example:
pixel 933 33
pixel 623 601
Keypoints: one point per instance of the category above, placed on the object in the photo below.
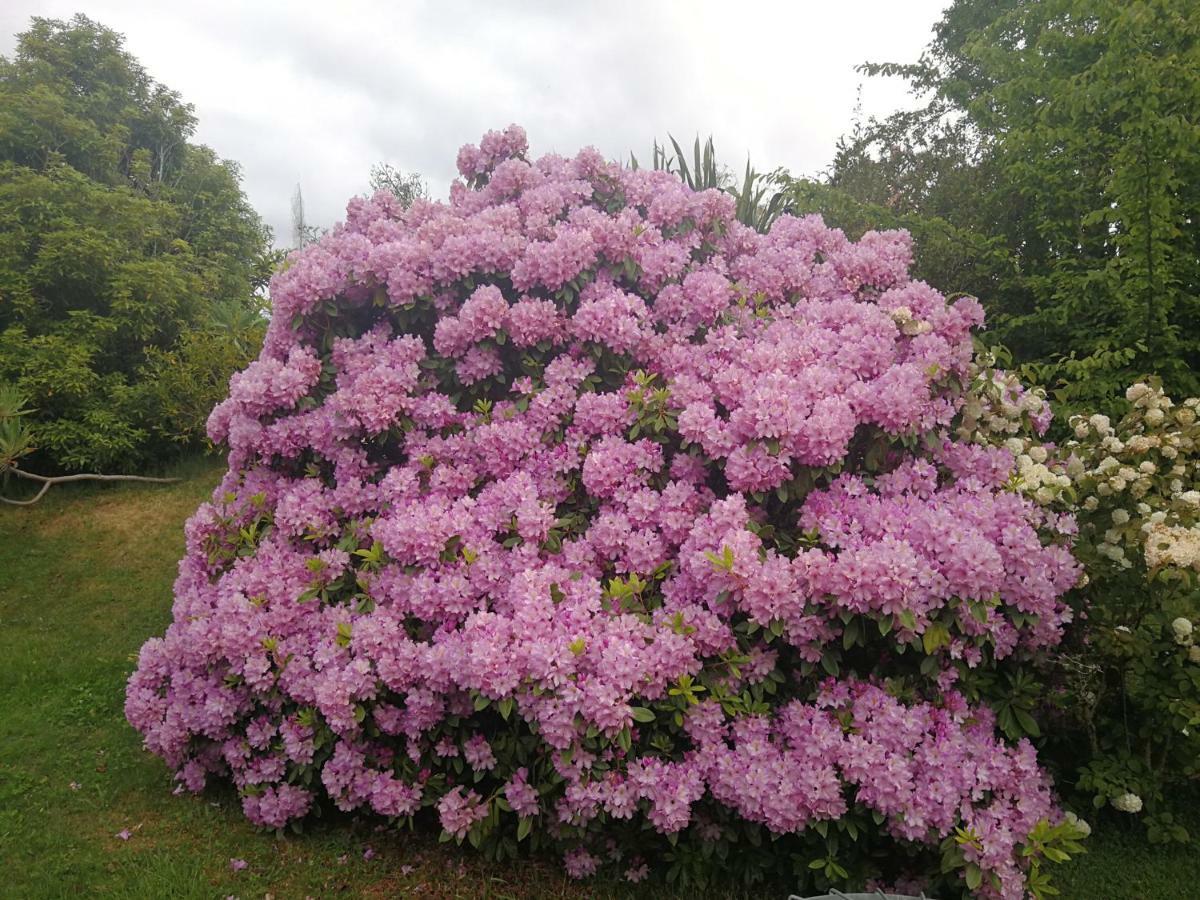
pixel 48 481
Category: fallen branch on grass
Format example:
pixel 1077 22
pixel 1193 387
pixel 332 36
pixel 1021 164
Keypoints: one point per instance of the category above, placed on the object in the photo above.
pixel 47 481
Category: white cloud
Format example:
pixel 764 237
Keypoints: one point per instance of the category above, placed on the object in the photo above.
pixel 301 92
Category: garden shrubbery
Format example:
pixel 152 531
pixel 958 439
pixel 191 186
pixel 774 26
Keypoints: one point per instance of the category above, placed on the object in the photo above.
pixel 575 513
pixel 124 246
pixel 1131 677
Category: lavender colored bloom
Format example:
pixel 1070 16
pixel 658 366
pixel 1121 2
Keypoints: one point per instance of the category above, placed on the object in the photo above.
pixel 520 477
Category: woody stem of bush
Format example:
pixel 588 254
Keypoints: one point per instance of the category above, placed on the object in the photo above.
pixel 48 481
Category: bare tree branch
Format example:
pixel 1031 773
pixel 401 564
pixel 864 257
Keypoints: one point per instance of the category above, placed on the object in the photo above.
pixel 47 481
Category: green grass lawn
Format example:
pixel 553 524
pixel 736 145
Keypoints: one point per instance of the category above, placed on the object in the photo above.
pixel 85 578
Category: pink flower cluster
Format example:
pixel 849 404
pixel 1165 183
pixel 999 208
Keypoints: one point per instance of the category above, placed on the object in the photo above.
pixel 533 461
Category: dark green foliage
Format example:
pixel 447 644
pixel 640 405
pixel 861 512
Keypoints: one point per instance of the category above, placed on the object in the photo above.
pixel 120 240
pixel 1054 171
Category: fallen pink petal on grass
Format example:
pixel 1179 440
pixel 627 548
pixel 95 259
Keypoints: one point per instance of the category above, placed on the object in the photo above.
pixel 238 864
pixel 124 834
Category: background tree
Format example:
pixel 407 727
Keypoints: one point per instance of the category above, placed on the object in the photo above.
pixel 407 186
pixel 120 240
pixel 1052 171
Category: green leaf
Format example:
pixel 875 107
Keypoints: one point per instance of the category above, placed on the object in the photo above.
pixel 974 876
pixel 625 739
pixel 1027 722
pixel 641 714
pixel 936 635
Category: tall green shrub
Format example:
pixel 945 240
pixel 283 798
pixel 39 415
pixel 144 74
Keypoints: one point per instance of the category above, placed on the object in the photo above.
pixel 1057 152
pixel 119 238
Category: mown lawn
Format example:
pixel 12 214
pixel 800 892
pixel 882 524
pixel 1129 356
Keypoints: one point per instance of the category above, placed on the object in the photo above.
pixel 85 578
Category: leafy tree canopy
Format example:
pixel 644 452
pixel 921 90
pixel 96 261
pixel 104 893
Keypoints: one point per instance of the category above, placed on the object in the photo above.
pixel 119 237
pixel 1054 171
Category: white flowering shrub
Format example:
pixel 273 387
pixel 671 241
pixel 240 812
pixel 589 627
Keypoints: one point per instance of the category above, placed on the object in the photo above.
pixel 1128 678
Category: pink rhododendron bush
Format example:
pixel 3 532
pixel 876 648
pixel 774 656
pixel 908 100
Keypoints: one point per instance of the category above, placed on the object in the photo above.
pixel 574 514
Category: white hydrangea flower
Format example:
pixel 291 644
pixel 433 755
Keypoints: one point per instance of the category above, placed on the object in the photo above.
pixel 1127 803
pixel 1191 498
pixel 1140 443
pixel 1038 454
pixel 1120 516
pixel 1136 391
pixel 1173 546
pixel 1155 417
pixel 1081 825
pixel 1100 423
pixel 1183 630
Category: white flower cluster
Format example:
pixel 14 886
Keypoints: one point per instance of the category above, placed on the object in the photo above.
pixel 1034 477
pixel 1080 824
pixel 909 324
pixel 1146 466
pixel 998 406
pixel 1173 545
pixel 1183 631
pixel 1127 803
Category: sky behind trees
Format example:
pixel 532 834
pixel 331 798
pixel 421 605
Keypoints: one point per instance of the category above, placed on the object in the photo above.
pixel 297 92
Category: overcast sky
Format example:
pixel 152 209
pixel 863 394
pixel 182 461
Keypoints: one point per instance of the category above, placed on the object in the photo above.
pixel 308 93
